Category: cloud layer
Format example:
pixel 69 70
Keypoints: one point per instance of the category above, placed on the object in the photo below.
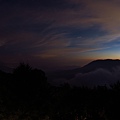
pixel 50 30
pixel 99 77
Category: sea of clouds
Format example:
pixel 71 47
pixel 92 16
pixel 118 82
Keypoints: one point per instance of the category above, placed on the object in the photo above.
pixel 97 77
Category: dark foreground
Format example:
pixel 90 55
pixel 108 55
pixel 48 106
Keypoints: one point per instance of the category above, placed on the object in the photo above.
pixel 25 94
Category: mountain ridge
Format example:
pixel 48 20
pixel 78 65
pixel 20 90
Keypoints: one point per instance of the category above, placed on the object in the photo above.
pixel 107 64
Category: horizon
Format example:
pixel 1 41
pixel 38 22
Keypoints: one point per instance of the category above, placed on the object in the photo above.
pixel 8 68
pixel 103 72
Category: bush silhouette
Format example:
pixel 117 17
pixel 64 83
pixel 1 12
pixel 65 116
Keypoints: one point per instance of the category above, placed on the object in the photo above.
pixel 28 83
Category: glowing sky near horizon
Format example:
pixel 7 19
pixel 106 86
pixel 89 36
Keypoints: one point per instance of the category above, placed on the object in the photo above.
pixel 59 33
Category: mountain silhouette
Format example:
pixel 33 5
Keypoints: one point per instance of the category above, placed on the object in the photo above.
pixel 107 64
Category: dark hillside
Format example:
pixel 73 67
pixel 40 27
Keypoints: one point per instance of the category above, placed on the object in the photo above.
pixel 107 64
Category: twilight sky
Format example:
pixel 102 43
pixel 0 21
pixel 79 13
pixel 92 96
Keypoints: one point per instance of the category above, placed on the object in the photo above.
pixel 58 33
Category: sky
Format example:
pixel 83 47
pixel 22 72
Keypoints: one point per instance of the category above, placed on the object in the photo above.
pixel 56 34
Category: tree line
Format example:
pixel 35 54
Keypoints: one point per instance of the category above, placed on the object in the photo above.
pixel 26 93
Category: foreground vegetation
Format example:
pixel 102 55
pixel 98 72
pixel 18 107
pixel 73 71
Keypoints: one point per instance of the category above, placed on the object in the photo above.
pixel 25 94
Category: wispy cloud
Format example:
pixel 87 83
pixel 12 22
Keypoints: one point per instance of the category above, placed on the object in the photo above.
pixel 53 28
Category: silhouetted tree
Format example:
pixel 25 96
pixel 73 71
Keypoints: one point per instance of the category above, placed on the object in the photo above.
pixel 116 86
pixel 22 69
pixel 28 84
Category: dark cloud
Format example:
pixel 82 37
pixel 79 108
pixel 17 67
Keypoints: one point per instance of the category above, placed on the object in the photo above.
pixel 42 4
